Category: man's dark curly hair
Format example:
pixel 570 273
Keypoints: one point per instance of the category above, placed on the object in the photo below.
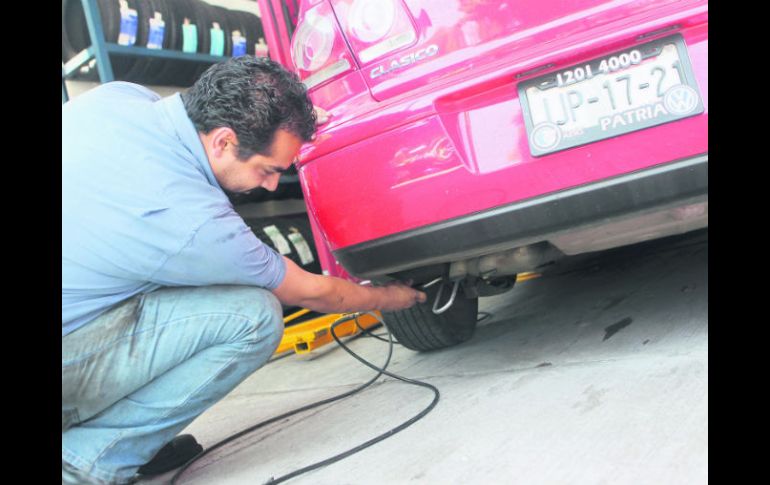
pixel 253 96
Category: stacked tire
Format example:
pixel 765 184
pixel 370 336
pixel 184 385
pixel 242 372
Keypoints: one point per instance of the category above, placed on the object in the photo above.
pixel 291 236
pixel 154 71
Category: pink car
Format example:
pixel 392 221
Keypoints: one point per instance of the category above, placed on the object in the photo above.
pixel 471 140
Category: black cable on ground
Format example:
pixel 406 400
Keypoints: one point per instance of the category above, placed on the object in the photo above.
pixel 373 335
pixel 340 456
pixel 381 437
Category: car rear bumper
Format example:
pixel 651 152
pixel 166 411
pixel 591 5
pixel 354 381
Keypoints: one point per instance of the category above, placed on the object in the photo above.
pixel 662 200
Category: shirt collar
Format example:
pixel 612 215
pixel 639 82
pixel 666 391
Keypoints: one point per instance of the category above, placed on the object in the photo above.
pixel 173 107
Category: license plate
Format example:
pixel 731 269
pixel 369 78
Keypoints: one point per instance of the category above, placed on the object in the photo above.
pixel 629 90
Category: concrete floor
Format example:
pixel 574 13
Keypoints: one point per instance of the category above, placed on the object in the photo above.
pixel 594 373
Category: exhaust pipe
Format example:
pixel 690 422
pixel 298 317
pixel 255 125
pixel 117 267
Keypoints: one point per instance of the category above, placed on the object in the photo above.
pixel 511 261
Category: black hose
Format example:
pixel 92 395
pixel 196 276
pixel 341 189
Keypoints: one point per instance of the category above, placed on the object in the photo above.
pixel 380 371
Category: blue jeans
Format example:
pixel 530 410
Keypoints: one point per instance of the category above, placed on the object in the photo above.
pixel 136 376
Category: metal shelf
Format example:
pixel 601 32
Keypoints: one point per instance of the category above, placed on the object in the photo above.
pixel 101 50
pixel 86 55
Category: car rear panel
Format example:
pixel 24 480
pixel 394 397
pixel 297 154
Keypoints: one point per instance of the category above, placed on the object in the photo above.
pixel 477 35
pixel 445 137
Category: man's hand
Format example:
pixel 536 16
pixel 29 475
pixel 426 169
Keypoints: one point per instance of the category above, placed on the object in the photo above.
pixel 399 296
pixel 322 116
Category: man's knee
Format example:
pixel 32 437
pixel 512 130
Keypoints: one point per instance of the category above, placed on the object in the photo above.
pixel 274 330
pixel 263 312
pixel 228 313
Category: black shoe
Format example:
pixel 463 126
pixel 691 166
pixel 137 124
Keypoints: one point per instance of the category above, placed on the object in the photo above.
pixel 174 454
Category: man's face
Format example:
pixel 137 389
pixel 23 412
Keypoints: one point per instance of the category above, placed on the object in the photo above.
pixel 237 175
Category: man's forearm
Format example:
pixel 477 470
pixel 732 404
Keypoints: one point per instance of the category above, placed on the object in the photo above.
pixel 340 296
pixel 329 294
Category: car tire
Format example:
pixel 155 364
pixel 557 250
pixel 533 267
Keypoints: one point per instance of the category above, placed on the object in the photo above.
pixel 418 328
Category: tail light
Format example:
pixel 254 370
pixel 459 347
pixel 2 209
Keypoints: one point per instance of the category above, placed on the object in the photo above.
pixel 375 28
pixel 372 30
pixel 318 49
pixel 370 21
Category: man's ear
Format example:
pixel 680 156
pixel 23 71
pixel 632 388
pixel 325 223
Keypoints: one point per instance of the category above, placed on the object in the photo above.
pixel 220 138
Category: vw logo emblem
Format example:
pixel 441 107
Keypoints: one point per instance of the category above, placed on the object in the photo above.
pixel 545 136
pixel 680 100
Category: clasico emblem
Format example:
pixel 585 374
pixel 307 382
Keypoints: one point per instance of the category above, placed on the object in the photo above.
pixel 545 136
pixel 680 100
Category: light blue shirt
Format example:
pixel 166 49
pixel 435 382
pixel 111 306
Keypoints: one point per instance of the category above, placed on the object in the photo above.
pixel 141 208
